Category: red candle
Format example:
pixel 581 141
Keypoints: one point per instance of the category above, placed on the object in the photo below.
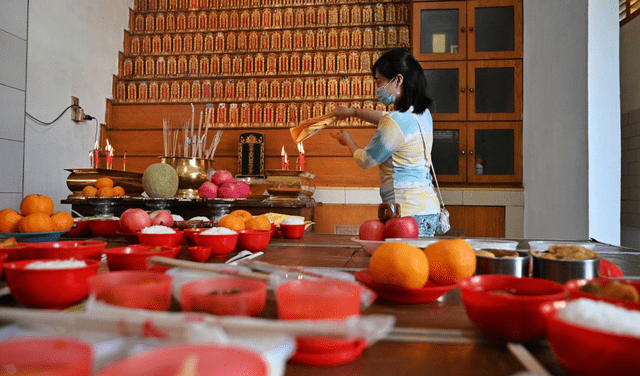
pixel 124 161
pixel 286 162
pixel 91 159
pixel 283 158
pixel 301 156
pixel 96 156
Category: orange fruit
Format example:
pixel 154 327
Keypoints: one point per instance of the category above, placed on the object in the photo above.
pixel 232 222
pixel 9 220
pixel 400 265
pixel 450 260
pixel 246 216
pixel 104 183
pixel 36 222
pixel 62 221
pixel 89 191
pixel 105 192
pixel 118 191
pixel 260 222
pixel 36 204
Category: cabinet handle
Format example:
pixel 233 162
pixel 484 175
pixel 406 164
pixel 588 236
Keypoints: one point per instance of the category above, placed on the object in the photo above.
pixel 470 29
pixel 462 152
pixel 462 90
pixel 462 29
pixel 471 90
pixel 470 152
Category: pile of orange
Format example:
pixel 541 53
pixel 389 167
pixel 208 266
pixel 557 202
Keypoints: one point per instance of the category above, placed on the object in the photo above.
pixel 402 265
pixel 36 215
pixel 103 188
pixel 241 219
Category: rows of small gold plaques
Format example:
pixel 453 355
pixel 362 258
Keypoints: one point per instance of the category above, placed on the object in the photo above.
pixel 183 5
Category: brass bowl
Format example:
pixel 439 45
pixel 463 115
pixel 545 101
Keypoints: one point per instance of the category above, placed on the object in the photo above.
pixel 79 178
pixel 192 173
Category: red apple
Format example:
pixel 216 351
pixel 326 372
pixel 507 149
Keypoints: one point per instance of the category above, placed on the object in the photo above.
pixel 221 176
pixel 134 220
pixel 161 217
pixel 243 189
pixel 208 190
pixel 229 190
pixel 372 229
pixel 403 227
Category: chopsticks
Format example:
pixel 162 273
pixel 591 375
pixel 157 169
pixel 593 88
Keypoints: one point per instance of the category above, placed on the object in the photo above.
pixel 436 336
pixel 166 261
pixel 527 360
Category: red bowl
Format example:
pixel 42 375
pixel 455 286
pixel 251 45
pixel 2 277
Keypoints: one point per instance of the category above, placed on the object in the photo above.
pixel 509 318
pixel 575 284
pixel 161 239
pixel 3 258
pixel 212 359
pixel 49 288
pixel 221 245
pixel 79 228
pixel 133 289
pixel 107 228
pixel 21 252
pixel 131 237
pixel 136 257
pixel 62 250
pixel 189 232
pixel 253 240
pixel 430 292
pixel 590 352
pixel 198 296
pixel 199 253
pixel 51 356
pixel 292 231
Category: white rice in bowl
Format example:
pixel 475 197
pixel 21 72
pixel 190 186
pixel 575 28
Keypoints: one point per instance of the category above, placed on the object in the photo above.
pixel 158 229
pixel 293 221
pixel 200 218
pixel 218 231
pixel 603 316
pixel 57 264
pixel 177 218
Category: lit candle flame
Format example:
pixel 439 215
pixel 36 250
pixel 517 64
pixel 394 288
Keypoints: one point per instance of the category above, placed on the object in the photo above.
pixel 282 153
pixel 286 158
pixel 300 148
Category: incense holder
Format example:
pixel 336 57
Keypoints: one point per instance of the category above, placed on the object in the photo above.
pixel 290 183
pixel 192 173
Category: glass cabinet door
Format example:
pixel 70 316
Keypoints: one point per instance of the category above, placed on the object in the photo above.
pixel 494 29
pixel 494 152
pixel 495 90
pixel 448 152
pixel 439 31
pixel 447 87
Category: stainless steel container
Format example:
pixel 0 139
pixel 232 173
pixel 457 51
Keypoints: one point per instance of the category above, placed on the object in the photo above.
pixel 564 270
pixel 516 266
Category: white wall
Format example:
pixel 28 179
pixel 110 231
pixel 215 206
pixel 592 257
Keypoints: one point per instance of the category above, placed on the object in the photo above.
pixel 72 51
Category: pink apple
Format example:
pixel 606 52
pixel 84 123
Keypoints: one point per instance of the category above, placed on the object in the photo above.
pixel 208 190
pixel 403 227
pixel 229 190
pixel 221 176
pixel 161 217
pixel 134 220
pixel 372 229
pixel 243 189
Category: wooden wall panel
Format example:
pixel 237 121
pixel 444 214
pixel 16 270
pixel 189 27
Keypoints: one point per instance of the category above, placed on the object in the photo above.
pixel 328 216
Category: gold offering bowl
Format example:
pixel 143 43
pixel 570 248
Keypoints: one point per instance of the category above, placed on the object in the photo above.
pixel 290 183
pixel 79 178
pixel 192 173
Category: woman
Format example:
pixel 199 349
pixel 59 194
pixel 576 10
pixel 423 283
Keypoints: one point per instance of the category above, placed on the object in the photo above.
pixel 401 146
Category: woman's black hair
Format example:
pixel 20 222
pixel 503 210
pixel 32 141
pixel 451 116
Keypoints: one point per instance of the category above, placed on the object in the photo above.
pixel 400 61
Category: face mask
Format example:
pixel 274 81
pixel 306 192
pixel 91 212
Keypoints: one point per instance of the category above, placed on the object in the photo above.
pixel 383 96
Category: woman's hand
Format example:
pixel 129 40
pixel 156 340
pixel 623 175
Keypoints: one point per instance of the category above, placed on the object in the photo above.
pixel 344 112
pixel 343 137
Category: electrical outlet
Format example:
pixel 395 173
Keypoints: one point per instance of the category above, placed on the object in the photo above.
pixel 77 114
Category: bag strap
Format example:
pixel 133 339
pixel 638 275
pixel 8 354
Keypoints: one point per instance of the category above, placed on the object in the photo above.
pixel 428 160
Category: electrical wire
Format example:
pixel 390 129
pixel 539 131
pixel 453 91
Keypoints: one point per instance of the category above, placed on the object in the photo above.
pixel 97 127
pixel 51 122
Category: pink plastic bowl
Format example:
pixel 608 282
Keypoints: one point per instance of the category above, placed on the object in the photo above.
pixel 106 228
pixel 161 239
pixel 221 245
pixel 49 288
pixel 198 296
pixel 253 240
pixel 3 258
pixel 21 252
pixel 189 232
pixel 590 352
pixel 199 253
pixel 62 250
pixel 509 318
pixel 79 228
pixel 133 289
pixel 212 359
pixel 292 231
pixel 136 256
pixel 49 356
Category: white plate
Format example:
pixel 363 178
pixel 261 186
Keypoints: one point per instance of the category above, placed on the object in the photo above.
pixel 416 242
pixel 510 245
pixel 368 245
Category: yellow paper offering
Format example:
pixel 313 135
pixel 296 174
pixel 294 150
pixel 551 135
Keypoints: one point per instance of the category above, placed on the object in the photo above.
pixel 311 126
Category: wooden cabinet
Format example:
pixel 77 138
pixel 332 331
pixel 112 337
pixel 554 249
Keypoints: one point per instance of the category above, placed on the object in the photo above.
pixel 471 54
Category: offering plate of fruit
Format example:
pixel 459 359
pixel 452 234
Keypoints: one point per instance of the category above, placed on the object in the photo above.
pixel 36 221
